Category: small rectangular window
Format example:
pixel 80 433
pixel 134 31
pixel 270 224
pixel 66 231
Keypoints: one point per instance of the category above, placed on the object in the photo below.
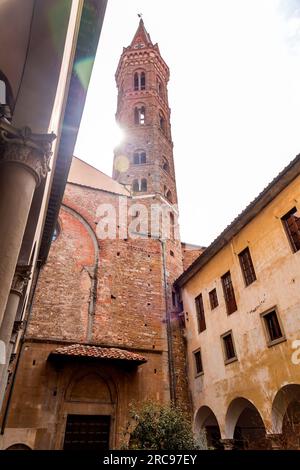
pixel 198 362
pixel 213 298
pixel 228 347
pixel 228 293
pixel 273 328
pixel 247 267
pixel 200 313
pixel 291 222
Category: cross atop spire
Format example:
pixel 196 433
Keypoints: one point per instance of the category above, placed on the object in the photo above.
pixel 141 37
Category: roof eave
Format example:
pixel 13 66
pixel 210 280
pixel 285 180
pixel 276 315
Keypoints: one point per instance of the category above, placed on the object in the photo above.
pixel 285 177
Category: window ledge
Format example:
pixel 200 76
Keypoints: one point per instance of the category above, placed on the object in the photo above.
pixel 276 341
pixel 228 314
pixel 202 331
pixel 229 361
pixel 199 374
pixel 251 283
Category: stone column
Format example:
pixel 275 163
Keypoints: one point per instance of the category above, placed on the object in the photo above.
pixel 23 164
pixel 20 281
pixel 275 440
pixel 227 443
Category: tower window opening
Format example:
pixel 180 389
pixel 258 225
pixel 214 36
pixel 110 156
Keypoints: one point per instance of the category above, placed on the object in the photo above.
pixel 139 185
pixel 135 186
pixel 139 81
pixel 159 87
pixel 139 115
pixel 162 123
pixel 143 81
pixel 169 196
pixel 136 82
pixel 139 157
pixel 166 165
pixel 144 185
pixel 172 226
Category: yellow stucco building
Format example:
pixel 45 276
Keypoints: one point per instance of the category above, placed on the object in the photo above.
pixel 241 301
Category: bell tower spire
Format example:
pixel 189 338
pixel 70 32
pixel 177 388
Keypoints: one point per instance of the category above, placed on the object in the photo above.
pixel 144 160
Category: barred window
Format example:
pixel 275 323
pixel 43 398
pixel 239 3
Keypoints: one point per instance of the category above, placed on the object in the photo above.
pixel 247 266
pixel 228 293
pixel 200 313
pixel 291 222
pixel 213 298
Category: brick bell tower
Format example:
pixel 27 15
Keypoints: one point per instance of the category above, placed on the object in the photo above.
pixel 144 162
pixel 145 158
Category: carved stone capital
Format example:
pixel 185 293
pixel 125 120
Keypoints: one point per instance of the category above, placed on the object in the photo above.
pixel 275 440
pixel 18 325
pixel 20 280
pixel 22 147
pixel 227 443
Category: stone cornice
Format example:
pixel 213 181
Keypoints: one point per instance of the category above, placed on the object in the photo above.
pixel 23 147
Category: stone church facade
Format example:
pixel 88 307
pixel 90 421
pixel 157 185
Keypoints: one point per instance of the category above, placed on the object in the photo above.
pixel 103 328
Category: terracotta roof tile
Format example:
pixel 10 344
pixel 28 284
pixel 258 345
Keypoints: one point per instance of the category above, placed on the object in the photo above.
pixel 83 350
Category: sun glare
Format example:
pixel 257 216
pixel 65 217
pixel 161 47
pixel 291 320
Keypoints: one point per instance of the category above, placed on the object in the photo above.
pixel 118 135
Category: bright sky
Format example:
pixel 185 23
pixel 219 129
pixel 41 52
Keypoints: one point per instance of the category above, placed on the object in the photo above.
pixel 234 93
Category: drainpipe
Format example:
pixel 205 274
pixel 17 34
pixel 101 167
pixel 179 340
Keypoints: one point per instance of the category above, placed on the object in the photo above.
pixel 169 328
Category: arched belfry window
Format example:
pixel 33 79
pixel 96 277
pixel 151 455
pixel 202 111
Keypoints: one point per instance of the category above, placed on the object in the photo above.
pixel 143 81
pixel 162 122
pixel 139 157
pixel 159 87
pixel 139 115
pixel 139 186
pixel 135 186
pixel 136 81
pixel 172 226
pixel 166 165
pixel 169 196
pixel 139 81
pixel 144 185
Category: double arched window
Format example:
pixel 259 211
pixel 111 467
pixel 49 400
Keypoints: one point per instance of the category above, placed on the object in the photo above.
pixel 139 81
pixel 139 115
pixel 139 157
pixel 139 186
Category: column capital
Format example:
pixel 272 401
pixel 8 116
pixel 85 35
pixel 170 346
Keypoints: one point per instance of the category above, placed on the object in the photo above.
pixel 276 441
pixel 21 278
pixel 23 147
pixel 227 443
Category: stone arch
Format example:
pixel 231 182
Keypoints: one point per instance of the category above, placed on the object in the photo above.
pixel 284 406
pixel 205 420
pixel 18 446
pixel 244 424
pixel 92 387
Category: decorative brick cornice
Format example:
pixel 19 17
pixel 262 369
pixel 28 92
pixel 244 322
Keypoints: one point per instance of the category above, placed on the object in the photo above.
pixel 21 278
pixel 23 147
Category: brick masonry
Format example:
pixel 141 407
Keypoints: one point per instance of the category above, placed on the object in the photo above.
pixel 108 292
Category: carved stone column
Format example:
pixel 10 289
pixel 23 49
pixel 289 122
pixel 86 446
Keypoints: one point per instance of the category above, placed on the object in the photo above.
pixel 24 160
pixel 275 441
pixel 9 324
pixel 227 443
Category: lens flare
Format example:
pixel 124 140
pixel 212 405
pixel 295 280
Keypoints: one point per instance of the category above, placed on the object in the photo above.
pixel 83 70
pixel 121 163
